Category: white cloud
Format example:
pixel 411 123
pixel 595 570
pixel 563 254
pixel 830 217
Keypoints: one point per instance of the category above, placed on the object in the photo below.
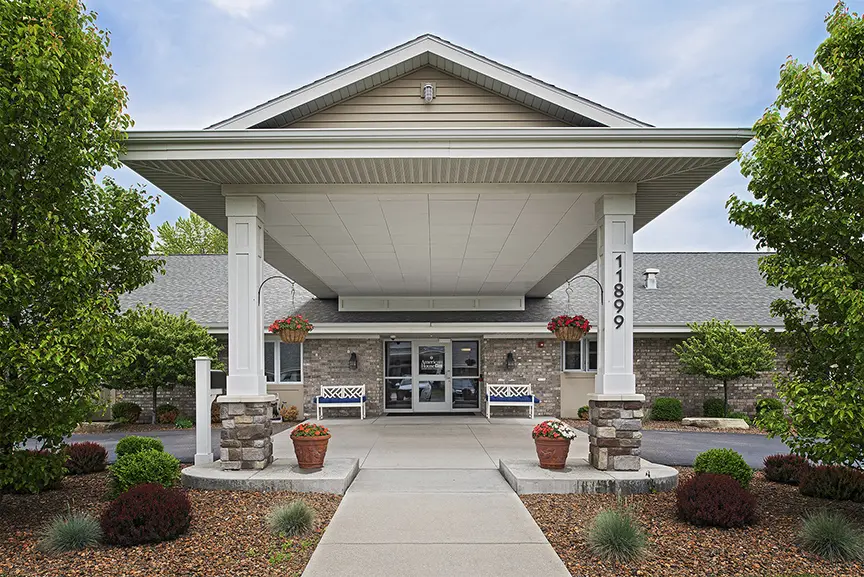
pixel 240 8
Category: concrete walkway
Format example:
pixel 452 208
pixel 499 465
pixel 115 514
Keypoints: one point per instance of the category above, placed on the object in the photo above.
pixel 430 501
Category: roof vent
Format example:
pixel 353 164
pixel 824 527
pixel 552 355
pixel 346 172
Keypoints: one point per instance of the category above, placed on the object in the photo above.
pixel 651 278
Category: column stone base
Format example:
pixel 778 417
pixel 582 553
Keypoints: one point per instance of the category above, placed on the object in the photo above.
pixel 615 432
pixel 246 431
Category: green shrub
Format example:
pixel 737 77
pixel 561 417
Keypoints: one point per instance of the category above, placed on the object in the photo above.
pixel 70 532
pixel 724 462
pixel 713 408
pixel 667 409
pixel 615 535
pixel 832 536
pixel 768 405
pixel 184 423
pixel 167 414
pixel 125 412
pixel 833 482
pixel 29 471
pixel 148 466
pixel 583 412
pixel 132 444
pixel 295 518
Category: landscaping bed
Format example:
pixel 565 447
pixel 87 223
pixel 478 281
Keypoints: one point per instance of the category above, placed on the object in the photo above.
pixel 228 535
pixel 582 425
pixel 676 548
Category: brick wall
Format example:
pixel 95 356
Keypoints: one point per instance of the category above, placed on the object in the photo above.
pixel 658 374
pixel 182 397
pixel 532 364
pixel 656 366
pixel 325 362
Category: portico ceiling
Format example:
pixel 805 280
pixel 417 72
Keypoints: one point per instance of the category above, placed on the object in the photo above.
pixel 431 211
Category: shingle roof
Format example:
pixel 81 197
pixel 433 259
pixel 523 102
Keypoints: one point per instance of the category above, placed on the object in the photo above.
pixel 691 287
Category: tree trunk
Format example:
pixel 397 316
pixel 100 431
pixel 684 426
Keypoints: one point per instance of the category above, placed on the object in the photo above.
pixel 154 405
pixel 725 399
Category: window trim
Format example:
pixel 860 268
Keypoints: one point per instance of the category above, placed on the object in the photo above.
pixel 583 356
pixel 277 369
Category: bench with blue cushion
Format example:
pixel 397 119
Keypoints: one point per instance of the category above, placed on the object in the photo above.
pixel 341 396
pixel 510 396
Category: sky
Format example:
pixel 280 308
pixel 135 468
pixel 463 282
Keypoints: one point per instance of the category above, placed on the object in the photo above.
pixel 672 63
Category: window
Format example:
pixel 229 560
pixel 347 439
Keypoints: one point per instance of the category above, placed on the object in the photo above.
pixel 581 355
pixel 286 364
pixel 397 375
pixel 466 374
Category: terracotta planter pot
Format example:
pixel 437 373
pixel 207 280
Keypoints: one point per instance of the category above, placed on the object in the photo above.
pixel 571 334
pixel 310 451
pixel 289 336
pixel 552 452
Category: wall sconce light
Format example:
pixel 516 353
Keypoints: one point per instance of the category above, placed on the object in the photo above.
pixel 428 92
pixel 352 361
pixel 509 362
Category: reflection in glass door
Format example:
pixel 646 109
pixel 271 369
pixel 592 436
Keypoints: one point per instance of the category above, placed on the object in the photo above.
pixel 432 376
pixel 398 372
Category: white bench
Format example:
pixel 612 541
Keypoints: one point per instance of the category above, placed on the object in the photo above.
pixel 339 397
pixel 509 396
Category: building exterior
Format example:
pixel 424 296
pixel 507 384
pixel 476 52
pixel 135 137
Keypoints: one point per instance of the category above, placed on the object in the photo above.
pixel 421 184
pixel 688 287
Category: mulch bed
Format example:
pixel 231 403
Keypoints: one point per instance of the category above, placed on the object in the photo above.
pixel 672 426
pixel 228 536
pixel 678 549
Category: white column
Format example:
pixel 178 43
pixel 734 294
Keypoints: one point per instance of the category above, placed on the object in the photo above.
pixel 245 273
pixel 203 448
pixel 614 214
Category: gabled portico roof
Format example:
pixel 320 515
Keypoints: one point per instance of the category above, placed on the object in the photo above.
pixel 428 50
pixel 411 208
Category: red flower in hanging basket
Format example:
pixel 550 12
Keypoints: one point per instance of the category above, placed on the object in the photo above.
pixel 291 323
pixel 562 321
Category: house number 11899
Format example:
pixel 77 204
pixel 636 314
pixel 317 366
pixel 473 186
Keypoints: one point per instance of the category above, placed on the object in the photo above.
pixel 619 293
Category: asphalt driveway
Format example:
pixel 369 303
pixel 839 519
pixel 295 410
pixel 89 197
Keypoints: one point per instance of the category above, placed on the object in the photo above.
pixel 679 448
pixel 665 447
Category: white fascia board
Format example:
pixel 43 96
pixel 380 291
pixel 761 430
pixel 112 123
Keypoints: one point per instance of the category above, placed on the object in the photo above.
pixel 436 143
pixel 406 52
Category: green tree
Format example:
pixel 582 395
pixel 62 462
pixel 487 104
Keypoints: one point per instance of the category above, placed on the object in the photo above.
pixel 806 174
pixel 719 351
pixel 163 347
pixel 68 245
pixel 192 235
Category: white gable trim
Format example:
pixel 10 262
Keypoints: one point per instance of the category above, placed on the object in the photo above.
pixel 414 49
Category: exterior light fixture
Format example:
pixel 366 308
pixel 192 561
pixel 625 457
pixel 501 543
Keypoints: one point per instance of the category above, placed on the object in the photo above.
pixel 428 92
pixel 509 362
pixel 352 361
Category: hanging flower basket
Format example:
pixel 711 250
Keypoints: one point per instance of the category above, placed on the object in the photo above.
pixel 567 328
pixel 291 329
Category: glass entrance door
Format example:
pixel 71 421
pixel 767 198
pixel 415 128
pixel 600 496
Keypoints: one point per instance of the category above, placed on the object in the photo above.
pixel 432 376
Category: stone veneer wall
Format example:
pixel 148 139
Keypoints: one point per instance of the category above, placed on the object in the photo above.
pixel 658 374
pixel 325 362
pixel 539 367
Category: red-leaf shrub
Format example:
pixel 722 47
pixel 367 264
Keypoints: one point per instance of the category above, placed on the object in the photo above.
pixel 785 468
pixel 715 500
pixel 146 513
pixel 85 457
pixel 833 482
